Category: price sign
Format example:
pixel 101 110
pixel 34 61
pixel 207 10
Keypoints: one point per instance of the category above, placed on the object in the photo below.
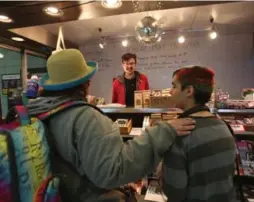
pixel 237 127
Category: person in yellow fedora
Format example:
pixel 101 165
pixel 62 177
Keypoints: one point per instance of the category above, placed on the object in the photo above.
pixel 97 158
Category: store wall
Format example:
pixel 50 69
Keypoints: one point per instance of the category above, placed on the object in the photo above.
pixel 36 65
pixel 231 56
pixel 9 64
pixel 35 62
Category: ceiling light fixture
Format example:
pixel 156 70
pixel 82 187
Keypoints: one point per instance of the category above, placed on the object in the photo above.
pixel 111 3
pixel 5 19
pixel 17 39
pixel 1 56
pixel 125 43
pixel 101 45
pixel 213 35
pixel 181 39
pixel 53 11
pixel 102 42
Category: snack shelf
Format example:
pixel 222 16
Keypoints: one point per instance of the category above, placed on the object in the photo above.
pixel 138 114
pixel 239 135
pixel 247 135
pixel 235 111
pixel 165 110
pixel 244 179
pixel 128 136
pixel 139 110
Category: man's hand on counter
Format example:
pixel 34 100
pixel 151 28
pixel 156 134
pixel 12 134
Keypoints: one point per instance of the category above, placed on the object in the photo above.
pixel 182 126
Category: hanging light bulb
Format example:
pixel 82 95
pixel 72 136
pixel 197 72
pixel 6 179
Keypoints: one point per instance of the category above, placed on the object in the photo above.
pixel 17 39
pixel 213 35
pixel 124 43
pixel 111 3
pixel 181 39
pixel 53 11
pixel 102 42
pixel 101 45
pixel 5 19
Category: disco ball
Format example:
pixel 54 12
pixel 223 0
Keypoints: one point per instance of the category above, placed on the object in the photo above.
pixel 148 31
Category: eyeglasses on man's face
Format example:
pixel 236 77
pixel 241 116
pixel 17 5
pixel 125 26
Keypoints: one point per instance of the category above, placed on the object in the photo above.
pixel 129 63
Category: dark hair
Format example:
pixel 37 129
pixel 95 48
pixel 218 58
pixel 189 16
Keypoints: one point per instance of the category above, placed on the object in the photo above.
pixel 29 75
pixel 202 80
pixel 128 56
pixel 69 92
pixel 251 146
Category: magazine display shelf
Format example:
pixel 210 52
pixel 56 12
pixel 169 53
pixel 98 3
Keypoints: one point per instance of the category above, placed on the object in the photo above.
pixel 137 115
pixel 241 180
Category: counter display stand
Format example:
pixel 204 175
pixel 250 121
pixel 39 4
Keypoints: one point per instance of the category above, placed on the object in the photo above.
pixel 138 114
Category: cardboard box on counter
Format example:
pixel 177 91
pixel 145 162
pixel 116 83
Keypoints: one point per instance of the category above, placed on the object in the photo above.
pixel 125 126
pixel 161 99
pixel 146 98
pixel 248 93
pixel 155 99
pixel 138 99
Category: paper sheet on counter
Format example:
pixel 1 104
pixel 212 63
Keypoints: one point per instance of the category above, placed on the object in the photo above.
pixel 154 193
pixel 136 131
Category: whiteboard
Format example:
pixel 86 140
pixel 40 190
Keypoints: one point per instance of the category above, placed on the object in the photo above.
pixel 230 56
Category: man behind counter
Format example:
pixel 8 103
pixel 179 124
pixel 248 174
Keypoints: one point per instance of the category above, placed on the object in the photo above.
pixel 124 85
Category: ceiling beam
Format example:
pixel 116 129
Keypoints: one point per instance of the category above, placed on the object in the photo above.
pixel 41 36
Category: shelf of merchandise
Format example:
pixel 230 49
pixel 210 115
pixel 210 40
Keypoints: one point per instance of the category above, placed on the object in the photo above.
pixel 241 180
pixel 165 110
pixel 246 179
pixel 239 136
pixel 137 115
pixel 247 135
pixel 235 111
pixel 128 136
pixel 139 110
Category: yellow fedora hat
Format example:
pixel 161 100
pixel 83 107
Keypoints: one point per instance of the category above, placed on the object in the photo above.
pixel 66 69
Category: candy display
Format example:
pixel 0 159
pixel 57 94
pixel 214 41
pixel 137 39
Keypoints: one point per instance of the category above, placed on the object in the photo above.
pixel 146 98
pixel 248 93
pixel 222 100
pixel 138 99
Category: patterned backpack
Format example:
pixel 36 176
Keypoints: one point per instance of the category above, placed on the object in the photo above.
pixel 25 166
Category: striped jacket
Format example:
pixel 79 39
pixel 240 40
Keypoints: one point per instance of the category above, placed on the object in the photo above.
pixel 200 167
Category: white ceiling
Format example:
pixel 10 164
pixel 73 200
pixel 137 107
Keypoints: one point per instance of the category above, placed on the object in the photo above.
pixel 228 17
